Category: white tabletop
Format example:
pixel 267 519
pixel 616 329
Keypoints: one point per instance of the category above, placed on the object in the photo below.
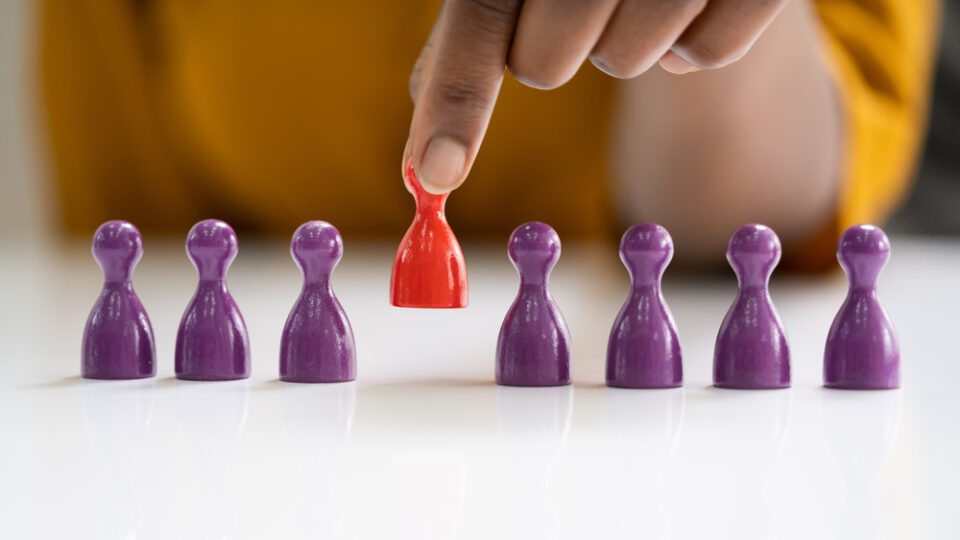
pixel 424 445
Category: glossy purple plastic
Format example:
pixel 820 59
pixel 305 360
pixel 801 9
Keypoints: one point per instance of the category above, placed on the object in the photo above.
pixel 643 350
pixel 534 346
pixel 317 344
pixel 212 342
pixel 751 350
pixel 862 351
pixel 118 339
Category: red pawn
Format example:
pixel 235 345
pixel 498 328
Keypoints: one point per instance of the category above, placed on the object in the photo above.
pixel 428 271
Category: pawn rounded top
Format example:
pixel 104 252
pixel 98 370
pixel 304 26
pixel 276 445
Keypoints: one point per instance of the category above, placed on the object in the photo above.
pixel 646 243
pixel 317 244
pixel 534 248
pixel 753 251
pixel 117 246
pixel 212 245
pixel 863 251
pixel 863 240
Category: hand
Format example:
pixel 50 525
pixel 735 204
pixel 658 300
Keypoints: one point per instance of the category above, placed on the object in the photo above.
pixel 457 77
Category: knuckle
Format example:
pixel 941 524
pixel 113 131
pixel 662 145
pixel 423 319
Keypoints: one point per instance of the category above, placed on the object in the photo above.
pixel 461 94
pixel 413 85
pixel 493 10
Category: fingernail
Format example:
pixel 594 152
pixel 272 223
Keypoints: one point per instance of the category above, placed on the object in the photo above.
pixel 442 165
pixel 601 66
pixel 672 63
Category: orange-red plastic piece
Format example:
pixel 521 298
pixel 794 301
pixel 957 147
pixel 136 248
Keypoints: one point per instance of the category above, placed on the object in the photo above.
pixel 428 271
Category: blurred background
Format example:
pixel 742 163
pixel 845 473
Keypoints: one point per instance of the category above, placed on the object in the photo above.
pixel 162 138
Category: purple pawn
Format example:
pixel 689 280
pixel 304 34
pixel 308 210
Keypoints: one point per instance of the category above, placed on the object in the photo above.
pixel 751 350
pixel 118 339
pixel 534 347
pixel 317 344
pixel 212 343
pixel 862 351
pixel 644 350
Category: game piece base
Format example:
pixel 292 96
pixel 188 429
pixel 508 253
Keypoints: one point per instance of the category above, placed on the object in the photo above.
pixel 211 378
pixel 453 305
pixel 308 380
pixel 745 387
pixel 116 377
pixel 527 385
pixel 615 384
pixel 842 386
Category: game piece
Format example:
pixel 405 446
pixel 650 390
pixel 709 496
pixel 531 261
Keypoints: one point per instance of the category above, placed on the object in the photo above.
pixel 644 350
pixel 751 350
pixel 118 339
pixel 534 346
pixel 317 342
pixel 862 351
pixel 212 343
pixel 428 271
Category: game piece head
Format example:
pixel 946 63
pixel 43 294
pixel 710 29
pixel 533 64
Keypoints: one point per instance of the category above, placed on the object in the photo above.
pixel 646 250
pixel 534 248
pixel 863 251
pixel 117 247
pixel 317 247
pixel 424 198
pixel 212 246
pixel 753 252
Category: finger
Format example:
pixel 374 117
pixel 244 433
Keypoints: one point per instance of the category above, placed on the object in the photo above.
pixel 723 32
pixel 554 37
pixel 640 32
pixel 458 89
pixel 423 60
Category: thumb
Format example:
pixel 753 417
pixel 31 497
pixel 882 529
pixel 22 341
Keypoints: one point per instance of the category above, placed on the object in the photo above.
pixel 456 88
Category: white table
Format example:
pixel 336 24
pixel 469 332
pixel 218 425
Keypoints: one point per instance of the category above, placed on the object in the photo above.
pixel 424 445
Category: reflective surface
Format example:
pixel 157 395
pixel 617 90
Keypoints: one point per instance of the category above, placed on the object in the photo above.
pixel 424 445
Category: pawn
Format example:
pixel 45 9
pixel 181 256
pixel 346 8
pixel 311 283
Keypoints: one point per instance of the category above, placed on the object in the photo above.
pixel 118 339
pixel 862 351
pixel 644 350
pixel 317 344
pixel 428 270
pixel 534 347
pixel 751 350
pixel 212 343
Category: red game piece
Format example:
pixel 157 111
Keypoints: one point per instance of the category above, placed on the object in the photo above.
pixel 428 271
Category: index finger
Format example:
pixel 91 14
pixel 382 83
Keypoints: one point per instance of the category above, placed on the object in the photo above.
pixel 458 89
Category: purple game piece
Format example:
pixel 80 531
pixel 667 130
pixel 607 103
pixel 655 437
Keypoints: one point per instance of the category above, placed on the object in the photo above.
pixel 317 344
pixel 752 350
pixel 212 343
pixel 118 339
pixel 534 347
pixel 862 351
pixel 644 350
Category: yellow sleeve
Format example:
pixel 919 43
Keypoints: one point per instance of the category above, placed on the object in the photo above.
pixel 881 54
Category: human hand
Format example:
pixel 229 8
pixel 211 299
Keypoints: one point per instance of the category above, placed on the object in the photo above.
pixel 456 79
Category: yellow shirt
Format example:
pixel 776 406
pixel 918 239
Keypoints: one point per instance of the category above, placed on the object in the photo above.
pixel 267 114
